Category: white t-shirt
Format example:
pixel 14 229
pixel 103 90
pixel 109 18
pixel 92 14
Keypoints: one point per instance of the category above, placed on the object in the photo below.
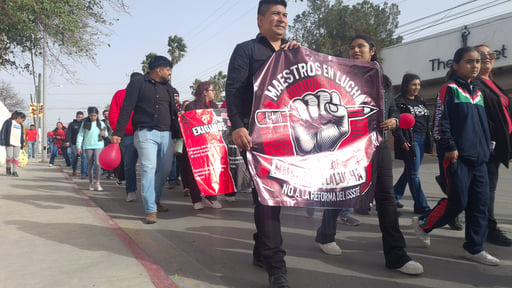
pixel 16 134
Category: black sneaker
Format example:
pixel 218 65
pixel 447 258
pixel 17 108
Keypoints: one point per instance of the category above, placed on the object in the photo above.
pixel 8 171
pixel 498 237
pixel 455 224
pixel 399 205
pixel 278 281
pixel 15 174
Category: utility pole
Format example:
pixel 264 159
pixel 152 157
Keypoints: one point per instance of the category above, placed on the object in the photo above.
pixel 45 89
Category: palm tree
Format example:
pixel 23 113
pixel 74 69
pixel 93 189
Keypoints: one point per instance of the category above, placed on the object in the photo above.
pixel 177 48
pixel 146 61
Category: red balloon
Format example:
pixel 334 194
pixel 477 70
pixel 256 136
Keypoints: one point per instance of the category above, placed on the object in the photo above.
pixel 110 157
pixel 406 121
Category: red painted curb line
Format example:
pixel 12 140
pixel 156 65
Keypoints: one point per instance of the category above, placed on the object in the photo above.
pixel 159 278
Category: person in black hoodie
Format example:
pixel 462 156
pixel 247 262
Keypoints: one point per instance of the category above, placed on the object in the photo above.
pixel 498 107
pixel 411 144
pixel 462 136
pixel 71 134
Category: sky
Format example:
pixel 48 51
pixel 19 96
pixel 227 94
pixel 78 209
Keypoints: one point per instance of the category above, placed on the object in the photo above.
pixel 211 29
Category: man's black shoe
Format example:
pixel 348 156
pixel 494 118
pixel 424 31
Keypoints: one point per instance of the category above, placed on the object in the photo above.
pixel 498 237
pixel 399 205
pixel 15 174
pixel 456 225
pixel 8 171
pixel 278 281
pixel 258 263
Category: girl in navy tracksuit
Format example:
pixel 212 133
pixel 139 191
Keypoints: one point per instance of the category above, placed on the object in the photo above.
pixel 462 136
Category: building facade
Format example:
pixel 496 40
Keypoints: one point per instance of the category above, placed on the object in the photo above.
pixel 431 57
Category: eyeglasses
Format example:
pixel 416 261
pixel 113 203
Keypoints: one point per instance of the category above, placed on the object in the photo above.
pixel 491 55
pixel 210 90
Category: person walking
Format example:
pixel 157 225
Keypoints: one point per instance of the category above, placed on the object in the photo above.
pixel 71 135
pixel 58 138
pixel 498 107
pixel 462 135
pixel 151 101
pixel 412 149
pixel 204 95
pixel 247 58
pixel 128 151
pixel 11 136
pixel 362 48
pixel 31 138
pixel 91 137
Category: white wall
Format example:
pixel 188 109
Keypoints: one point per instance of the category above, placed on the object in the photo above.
pixel 419 56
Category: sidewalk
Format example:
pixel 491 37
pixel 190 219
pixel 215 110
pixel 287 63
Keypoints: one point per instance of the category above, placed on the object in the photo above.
pixel 56 235
pixel 53 235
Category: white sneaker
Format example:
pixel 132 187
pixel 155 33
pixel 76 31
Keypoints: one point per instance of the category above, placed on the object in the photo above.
pixel 330 248
pixel 214 204
pixel 230 199
pixel 198 206
pixel 131 197
pixel 50 165
pixel 420 234
pixel 91 187
pixel 98 187
pixel 411 268
pixel 483 258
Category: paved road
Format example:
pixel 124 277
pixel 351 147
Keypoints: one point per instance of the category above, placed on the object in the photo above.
pixel 212 248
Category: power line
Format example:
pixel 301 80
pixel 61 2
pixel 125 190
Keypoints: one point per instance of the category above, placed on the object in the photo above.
pixel 435 14
pixel 453 17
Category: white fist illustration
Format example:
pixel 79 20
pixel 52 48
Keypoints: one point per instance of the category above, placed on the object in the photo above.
pixel 320 122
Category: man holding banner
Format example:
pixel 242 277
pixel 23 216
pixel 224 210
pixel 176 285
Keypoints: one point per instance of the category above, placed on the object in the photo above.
pixel 247 58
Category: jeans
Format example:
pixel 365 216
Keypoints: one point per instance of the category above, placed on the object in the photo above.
pixel 410 176
pixel 65 154
pixel 32 149
pixel 155 151
pixel 74 157
pixel 54 150
pixel 130 157
pixel 345 212
pixel 393 241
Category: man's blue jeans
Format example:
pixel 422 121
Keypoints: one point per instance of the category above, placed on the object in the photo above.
pixel 32 149
pixel 155 151
pixel 54 150
pixel 130 157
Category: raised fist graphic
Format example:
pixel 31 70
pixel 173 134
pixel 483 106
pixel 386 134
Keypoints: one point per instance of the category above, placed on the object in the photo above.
pixel 319 122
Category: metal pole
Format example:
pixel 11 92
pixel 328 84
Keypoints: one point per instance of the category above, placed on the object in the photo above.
pixel 43 118
pixel 39 122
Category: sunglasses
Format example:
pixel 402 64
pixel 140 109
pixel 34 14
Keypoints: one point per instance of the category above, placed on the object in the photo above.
pixel 490 55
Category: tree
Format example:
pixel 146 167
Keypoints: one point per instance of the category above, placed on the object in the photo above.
pixel 67 29
pixel 10 98
pixel 177 48
pixel 327 28
pixel 145 62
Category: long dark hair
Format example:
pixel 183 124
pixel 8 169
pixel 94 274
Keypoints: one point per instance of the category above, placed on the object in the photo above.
pixel 457 57
pixel 200 101
pixel 87 122
pixel 406 81
pixel 368 40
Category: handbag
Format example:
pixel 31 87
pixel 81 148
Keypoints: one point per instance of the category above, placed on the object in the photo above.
pixel 22 158
pixel 178 146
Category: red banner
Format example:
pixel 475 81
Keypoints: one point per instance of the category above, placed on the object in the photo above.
pixel 203 132
pixel 315 130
